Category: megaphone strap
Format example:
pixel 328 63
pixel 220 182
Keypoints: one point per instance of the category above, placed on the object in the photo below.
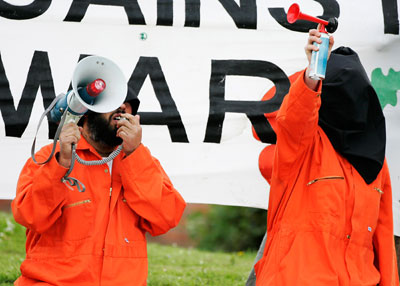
pixel 112 156
pixel 51 106
pixel 75 182
pixel 70 180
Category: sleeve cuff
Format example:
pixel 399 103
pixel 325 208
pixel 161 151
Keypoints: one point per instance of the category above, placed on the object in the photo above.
pixel 139 160
pixel 303 98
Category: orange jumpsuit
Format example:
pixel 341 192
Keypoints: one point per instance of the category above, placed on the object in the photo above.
pixel 96 237
pixel 325 226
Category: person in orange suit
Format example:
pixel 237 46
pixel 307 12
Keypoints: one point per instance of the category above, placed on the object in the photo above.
pixel 330 219
pixel 95 237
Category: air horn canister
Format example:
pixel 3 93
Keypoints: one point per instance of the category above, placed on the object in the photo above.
pixel 318 58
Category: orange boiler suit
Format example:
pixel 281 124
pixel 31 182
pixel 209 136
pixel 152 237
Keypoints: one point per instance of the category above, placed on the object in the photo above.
pixel 96 237
pixel 326 226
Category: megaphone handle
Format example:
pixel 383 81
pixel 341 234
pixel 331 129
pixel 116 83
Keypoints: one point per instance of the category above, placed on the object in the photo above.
pixel 71 117
pixel 47 111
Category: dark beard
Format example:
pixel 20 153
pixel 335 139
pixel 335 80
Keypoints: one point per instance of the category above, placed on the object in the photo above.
pixel 101 129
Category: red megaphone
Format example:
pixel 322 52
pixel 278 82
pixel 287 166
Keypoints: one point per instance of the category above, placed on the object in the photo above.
pixel 294 14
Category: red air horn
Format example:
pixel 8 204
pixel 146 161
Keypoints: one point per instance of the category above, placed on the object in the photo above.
pixel 295 14
pixel 318 58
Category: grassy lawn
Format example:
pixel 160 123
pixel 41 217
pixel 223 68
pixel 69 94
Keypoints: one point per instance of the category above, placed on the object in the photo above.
pixel 168 265
pixel 12 248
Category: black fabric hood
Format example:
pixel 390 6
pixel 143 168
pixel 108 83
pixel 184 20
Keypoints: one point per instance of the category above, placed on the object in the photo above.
pixel 351 114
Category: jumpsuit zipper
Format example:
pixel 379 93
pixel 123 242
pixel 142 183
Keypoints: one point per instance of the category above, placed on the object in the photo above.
pixel 324 179
pixel 77 203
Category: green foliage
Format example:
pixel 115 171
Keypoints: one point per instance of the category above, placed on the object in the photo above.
pixel 228 228
pixel 168 265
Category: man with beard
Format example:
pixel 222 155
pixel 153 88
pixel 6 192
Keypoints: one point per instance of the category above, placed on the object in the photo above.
pixel 95 236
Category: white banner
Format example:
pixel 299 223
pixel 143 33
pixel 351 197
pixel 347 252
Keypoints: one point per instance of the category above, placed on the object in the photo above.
pixel 198 68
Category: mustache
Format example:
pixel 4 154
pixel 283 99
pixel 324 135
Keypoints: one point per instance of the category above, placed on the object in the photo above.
pixel 115 112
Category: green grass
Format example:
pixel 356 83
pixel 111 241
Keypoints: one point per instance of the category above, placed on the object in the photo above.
pixel 189 267
pixel 12 248
pixel 168 265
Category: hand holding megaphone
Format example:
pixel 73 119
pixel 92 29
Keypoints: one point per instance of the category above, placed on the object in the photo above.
pixel 319 56
pixel 70 134
pixel 98 85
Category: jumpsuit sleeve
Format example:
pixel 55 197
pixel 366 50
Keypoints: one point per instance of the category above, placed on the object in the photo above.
pixel 270 94
pixel 40 193
pixel 150 193
pixel 296 126
pixel 385 253
pixel 296 123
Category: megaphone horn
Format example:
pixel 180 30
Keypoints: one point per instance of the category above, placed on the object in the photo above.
pixel 97 85
pixel 295 14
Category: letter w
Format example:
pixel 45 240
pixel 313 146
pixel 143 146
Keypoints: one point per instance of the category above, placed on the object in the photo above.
pixel 39 75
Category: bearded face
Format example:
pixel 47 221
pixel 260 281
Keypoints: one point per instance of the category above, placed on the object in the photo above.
pixel 103 129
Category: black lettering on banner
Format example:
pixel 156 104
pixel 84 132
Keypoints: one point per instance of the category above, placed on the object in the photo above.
pixel 192 13
pixel 331 9
pixel 390 16
pixel 150 66
pixel 39 75
pixel 165 12
pixel 79 7
pixel 254 110
pixel 23 12
pixel 245 16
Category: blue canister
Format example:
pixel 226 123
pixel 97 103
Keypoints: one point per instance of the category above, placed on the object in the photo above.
pixel 319 58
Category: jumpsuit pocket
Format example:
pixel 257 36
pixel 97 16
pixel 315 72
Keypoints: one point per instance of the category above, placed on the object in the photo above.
pixel 326 195
pixel 130 230
pixel 371 204
pixel 76 221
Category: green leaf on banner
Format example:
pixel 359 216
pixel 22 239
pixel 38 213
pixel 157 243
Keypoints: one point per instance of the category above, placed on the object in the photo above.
pixel 386 86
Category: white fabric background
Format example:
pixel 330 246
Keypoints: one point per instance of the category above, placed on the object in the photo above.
pixel 225 173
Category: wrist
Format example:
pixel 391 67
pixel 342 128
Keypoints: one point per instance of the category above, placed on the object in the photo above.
pixel 311 83
pixel 128 152
pixel 64 162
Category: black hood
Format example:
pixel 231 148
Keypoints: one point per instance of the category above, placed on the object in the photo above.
pixel 351 115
